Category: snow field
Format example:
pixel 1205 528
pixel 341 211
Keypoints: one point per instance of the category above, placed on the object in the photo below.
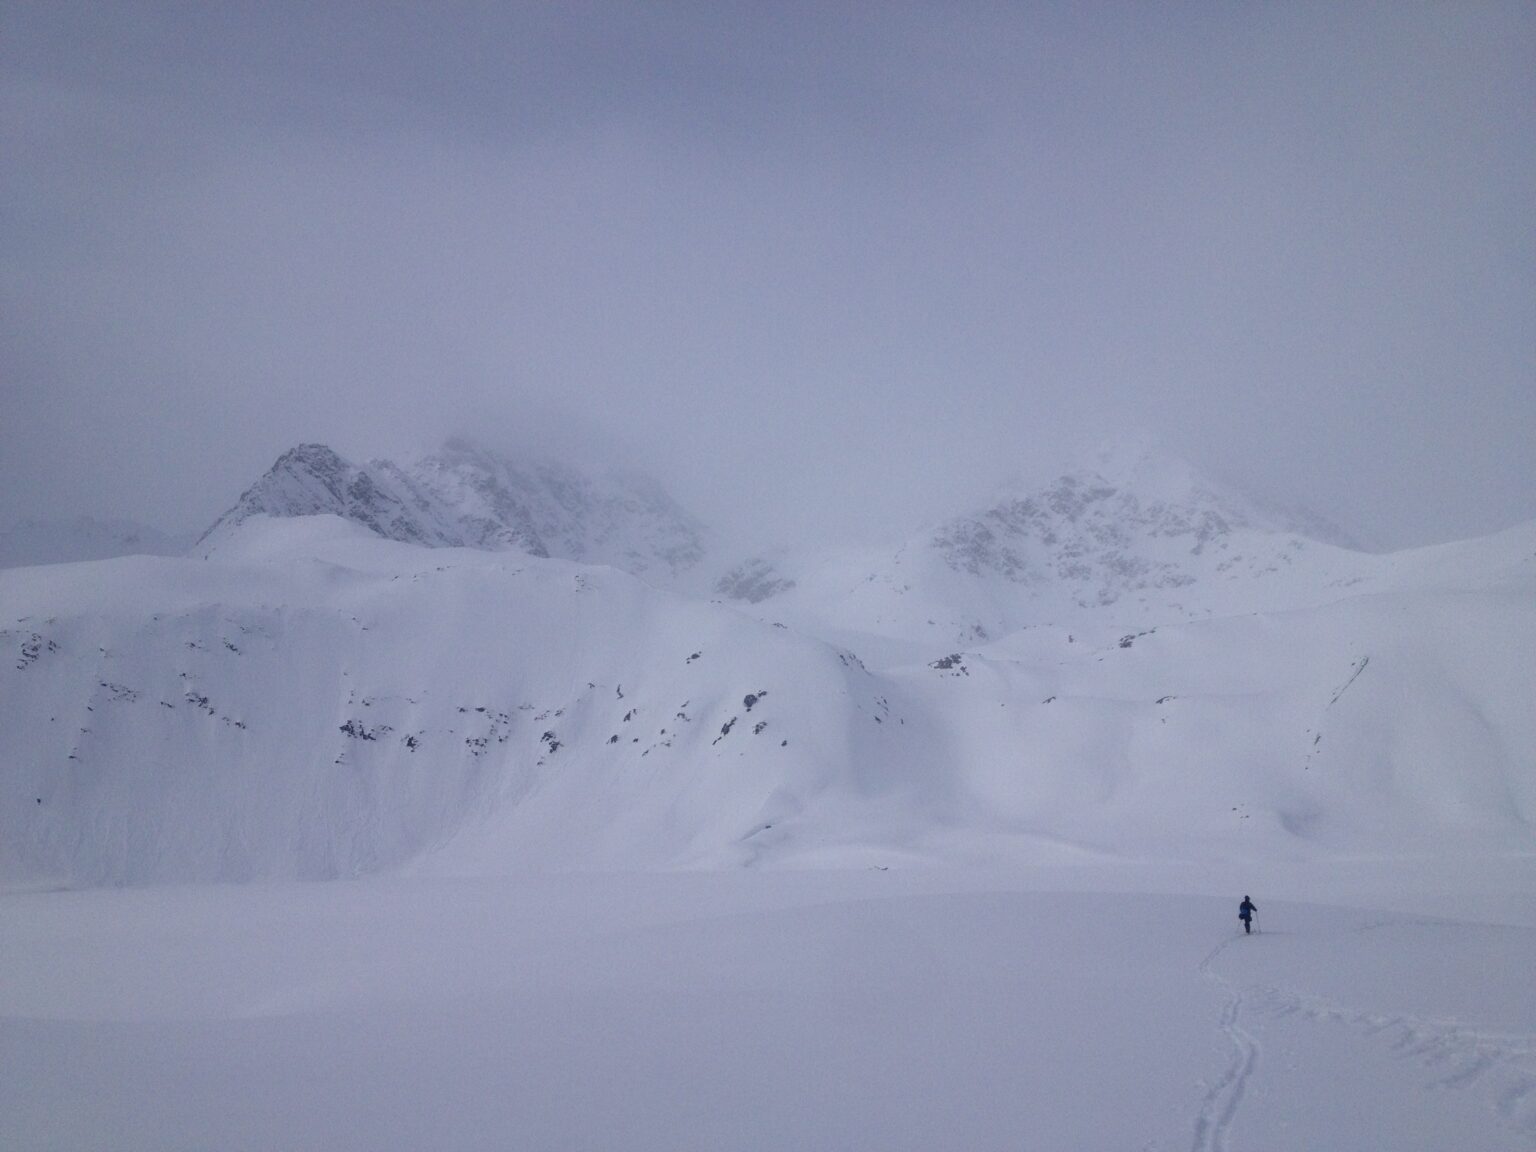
pixel 755 1010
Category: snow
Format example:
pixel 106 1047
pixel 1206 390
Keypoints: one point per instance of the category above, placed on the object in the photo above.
pixel 906 855
pixel 911 1009
pixel 316 702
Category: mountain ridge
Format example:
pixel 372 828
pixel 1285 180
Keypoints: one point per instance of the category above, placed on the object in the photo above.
pixel 316 701
pixel 467 496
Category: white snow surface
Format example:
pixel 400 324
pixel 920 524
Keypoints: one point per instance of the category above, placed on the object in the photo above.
pixel 609 867
pixel 1054 1009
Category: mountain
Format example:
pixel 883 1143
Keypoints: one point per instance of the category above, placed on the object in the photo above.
pixel 467 496
pixel 1137 535
pixel 83 538
pixel 449 664
pixel 315 701
pixel 1136 532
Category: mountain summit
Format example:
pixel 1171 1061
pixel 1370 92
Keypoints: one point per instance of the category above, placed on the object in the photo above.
pixel 1134 518
pixel 1135 530
pixel 468 496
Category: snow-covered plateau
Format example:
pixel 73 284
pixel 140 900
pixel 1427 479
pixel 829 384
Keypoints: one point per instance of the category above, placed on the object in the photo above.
pixel 936 846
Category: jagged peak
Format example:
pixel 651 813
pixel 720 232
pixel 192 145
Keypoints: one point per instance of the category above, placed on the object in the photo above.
pixel 468 494
pixel 1135 470
pixel 310 455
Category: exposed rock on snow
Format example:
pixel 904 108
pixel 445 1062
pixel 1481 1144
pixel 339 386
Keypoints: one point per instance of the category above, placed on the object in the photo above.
pixel 754 581
pixel 1138 534
pixel 467 496
pixel 1134 522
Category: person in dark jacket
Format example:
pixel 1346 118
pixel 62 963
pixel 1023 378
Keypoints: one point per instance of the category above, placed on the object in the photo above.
pixel 1245 912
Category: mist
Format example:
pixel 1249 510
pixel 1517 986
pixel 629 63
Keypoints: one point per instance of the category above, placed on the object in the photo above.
pixel 823 271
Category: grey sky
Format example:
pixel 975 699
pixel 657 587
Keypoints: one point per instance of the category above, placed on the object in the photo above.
pixel 823 267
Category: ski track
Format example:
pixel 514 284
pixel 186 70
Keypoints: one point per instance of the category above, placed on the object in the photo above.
pixel 1499 1067
pixel 1219 1108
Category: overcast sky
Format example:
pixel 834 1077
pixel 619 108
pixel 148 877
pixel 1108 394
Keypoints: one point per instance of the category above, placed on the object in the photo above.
pixel 827 267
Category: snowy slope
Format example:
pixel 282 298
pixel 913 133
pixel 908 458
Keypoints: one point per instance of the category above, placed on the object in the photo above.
pixel 838 1011
pixel 1396 723
pixel 320 702
pixel 639 871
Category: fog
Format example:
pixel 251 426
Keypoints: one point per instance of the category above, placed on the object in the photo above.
pixel 825 269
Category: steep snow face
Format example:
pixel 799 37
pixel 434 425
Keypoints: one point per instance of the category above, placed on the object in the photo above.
pixel 467 496
pixel 319 702
pixel 1392 723
pixel 84 538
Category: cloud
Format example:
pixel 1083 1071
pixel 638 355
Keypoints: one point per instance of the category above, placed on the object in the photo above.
pixel 826 272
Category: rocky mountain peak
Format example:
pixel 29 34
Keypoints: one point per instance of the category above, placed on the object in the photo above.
pixel 1134 518
pixel 468 495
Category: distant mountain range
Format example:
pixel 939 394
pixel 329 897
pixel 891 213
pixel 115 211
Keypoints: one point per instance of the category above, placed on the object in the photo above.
pixel 1136 531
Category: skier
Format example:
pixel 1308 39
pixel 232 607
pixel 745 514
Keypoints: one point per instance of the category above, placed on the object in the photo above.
pixel 1245 912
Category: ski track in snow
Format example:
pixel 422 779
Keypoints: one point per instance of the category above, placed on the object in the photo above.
pixel 1222 1101
pixel 1500 1067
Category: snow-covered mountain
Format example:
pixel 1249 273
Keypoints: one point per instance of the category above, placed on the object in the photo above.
pixel 83 538
pixel 467 496
pixel 449 664
pixel 317 701
pixel 1138 535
